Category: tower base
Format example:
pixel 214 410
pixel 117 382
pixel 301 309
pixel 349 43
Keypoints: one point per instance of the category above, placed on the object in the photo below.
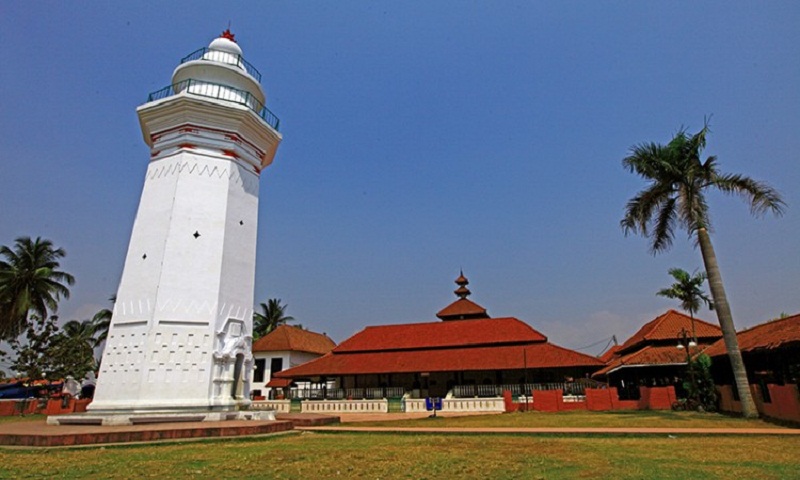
pixel 119 417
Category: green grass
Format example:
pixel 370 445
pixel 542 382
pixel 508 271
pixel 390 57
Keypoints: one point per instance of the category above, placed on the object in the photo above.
pixel 21 418
pixel 347 455
pixel 411 455
pixel 617 419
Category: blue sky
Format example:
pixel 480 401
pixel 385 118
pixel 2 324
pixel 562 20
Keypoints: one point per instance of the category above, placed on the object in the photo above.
pixel 421 138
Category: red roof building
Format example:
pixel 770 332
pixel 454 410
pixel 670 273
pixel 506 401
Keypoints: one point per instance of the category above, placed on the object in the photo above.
pixel 295 339
pixel 771 353
pixel 466 348
pixel 651 355
pixel 282 348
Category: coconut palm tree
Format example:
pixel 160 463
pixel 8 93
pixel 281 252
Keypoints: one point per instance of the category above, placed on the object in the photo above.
pixel 30 282
pixel 688 289
pixel 72 350
pixel 80 331
pixel 676 197
pixel 272 314
pixel 102 322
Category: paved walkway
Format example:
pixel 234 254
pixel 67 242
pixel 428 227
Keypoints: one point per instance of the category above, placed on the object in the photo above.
pixel 562 430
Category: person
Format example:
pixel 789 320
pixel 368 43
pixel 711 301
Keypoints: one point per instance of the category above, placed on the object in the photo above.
pixel 88 385
pixel 71 389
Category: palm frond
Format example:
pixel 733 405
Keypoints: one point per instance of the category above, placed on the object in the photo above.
pixel 762 197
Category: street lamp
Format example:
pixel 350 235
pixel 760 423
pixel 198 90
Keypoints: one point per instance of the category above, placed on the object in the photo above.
pixel 686 342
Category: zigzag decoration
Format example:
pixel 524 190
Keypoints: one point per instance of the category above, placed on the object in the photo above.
pixel 163 171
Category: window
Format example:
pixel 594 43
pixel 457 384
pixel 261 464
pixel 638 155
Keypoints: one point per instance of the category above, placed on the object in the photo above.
pixel 275 366
pixel 261 366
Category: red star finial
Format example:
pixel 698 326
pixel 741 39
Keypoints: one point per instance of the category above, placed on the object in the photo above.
pixel 227 34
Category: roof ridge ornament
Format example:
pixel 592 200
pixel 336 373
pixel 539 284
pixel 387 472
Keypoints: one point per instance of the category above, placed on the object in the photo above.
pixel 227 34
pixel 462 291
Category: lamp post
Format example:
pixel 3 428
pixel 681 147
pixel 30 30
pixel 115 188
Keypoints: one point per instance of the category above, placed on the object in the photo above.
pixel 686 341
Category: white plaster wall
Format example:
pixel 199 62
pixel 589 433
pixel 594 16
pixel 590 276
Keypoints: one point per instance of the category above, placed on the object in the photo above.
pixel 290 359
pixel 171 304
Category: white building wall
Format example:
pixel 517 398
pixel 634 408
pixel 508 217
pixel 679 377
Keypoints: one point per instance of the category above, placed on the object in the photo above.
pixel 290 359
pixel 178 290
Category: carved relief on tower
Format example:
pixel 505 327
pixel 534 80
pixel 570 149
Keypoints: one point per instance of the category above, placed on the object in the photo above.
pixel 233 363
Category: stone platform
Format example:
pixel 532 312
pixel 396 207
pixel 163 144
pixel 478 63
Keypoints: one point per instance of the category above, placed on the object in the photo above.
pixel 117 418
pixel 38 433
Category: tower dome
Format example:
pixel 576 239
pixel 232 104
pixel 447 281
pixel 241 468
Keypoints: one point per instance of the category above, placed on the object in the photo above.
pixel 220 71
pixel 225 43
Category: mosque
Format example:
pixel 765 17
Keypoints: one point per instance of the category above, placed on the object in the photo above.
pixel 466 353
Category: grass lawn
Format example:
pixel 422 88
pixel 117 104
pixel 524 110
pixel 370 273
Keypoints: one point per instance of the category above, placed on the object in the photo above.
pixel 22 418
pixel 346 455
pixel 578 418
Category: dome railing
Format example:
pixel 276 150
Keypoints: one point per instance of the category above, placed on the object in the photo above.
pixel 224 57
pixel 217 91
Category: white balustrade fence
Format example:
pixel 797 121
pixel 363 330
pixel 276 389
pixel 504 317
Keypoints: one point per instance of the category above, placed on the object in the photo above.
pixel 345 406
pixel 280 406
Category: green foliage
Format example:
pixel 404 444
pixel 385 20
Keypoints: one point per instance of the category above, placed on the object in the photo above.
pixel 688 290
pixel 678 183
pixel 72 350
pixel 30 282
pixel 699 383
pixel 48 352
pixel 102 323
pixel 31 356
pixel 271 316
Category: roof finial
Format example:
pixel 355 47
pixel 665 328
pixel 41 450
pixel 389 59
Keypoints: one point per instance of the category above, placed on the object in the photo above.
pixel 462 291
pixel 227 33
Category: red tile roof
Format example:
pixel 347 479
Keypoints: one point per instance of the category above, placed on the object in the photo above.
pixel 650 355
pixel 279 382
pixel 504 357
pixel 288 338
pixel 610 354
pixel 423 336
pixel 462 309
pixel 667 327
pixel 767 336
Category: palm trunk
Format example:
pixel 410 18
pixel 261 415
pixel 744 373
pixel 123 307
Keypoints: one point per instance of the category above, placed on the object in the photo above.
pixel 726 323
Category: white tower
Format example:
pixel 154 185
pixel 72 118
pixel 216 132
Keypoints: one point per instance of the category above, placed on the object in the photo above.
pixel 181 333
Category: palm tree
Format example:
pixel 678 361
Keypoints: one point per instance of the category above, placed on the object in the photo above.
pixel 676 197
pixel 272 314
pixel 81 332
pixel 102 322
pixel 73 349
pixel 30 282
pixel 689 291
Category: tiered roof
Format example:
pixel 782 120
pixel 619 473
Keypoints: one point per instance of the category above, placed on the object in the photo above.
pixel 462 309
pixel 475 358
pixel 783 332
pixel 469 344
pixel 437 335
pixel 289 338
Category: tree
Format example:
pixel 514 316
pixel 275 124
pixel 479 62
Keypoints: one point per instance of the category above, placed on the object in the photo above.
pixel 272 315
pixel 32 357
pixel 30 282
pixel 689 291
pixel 72 350
pixel 676 197
pixel 102 323
pixel 52 353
